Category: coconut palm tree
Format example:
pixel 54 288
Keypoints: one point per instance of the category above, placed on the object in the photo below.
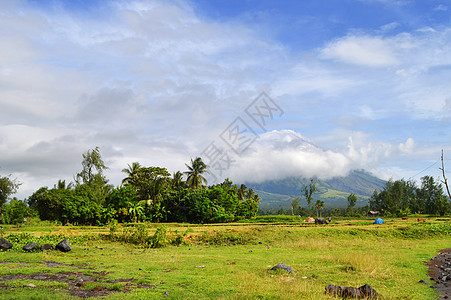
pixel 132 173
pixel 177 179
pixel 319 207
pixel 242 192
pixel 194 173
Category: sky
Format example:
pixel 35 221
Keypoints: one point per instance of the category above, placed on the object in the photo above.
pixel 259 89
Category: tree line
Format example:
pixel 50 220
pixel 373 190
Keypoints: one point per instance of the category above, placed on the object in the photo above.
pixel 403 197
pixel 146 194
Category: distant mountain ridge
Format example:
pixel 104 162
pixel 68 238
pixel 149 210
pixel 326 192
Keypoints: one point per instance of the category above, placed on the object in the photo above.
pixel 334 192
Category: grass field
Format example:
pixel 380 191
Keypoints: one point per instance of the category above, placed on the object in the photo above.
pixel 226 261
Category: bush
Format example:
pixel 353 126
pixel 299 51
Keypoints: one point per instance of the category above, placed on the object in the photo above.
pixel 159 239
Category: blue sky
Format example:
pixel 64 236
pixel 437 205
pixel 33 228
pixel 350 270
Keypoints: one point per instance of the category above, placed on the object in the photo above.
pixel 359 84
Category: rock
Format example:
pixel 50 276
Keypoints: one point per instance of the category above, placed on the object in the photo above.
pixel 351 292
pixel 368 292
pixel 365 291
pixel 283 266
pixel 46 247
pixel 5 245
pixel 31 285
pixel 30 247
pixel 63 246
pixel 423 281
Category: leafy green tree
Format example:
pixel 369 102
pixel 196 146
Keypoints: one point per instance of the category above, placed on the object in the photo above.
pixel 195 173
pixel 117 203
pixel 77 206
pixel 295 205
pixel 309 190
pixel 93 167
pixel 16 211
pixel 352 200
pixel 395 198
pixel 432 195
pixel 8 187
pixel 150 183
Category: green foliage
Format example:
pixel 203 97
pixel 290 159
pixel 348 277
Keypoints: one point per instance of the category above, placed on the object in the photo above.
pixel 78 206
pixel 229 237
pixel 400 197
pixel 16 211
pixel 8 187
pixel 114 226
pixel 93 167
pixel 159 239
pixel 195 170
pixel 147 194
pixel 352 200
pixel 308 191
pixel 20 239
pixel 295 208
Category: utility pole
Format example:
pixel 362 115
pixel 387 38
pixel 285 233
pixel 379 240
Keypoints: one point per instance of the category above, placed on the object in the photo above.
pixel 445 181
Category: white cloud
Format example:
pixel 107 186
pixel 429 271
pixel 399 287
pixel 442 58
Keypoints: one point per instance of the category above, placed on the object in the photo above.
pixel 284 153
pixel 407 147
pixel 361 50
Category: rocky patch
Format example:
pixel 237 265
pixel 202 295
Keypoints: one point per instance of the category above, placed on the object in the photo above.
pixel 440 273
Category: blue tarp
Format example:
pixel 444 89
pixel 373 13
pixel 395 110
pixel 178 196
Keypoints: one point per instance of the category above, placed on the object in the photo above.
pixel 379 221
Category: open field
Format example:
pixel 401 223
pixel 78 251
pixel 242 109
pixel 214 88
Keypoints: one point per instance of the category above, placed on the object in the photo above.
pixel 226 261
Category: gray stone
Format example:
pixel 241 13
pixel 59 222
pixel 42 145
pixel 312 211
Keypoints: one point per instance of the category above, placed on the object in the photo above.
pixel 46 247
pixel 30 247
pixel 5 245
pixel 63 246
pixel 283 266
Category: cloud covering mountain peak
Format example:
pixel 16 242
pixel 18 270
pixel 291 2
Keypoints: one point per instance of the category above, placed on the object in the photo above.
pixel 284 153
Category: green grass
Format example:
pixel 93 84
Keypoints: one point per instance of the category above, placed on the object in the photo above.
pixel 232 261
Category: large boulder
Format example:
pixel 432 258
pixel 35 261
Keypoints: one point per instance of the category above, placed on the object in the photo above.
pixel 282 266
pixel 5 245
pixel 63 246
pixel 30 247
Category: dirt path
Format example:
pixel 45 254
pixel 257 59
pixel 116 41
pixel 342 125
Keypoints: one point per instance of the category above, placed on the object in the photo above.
pixel 440 273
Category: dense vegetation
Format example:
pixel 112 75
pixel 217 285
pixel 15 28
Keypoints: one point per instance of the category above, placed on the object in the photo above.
pixel 153 194
pixel 401 197
pixel 146 194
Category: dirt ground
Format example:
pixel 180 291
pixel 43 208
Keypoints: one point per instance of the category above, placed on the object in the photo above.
pixel 76 282
pixel 440 273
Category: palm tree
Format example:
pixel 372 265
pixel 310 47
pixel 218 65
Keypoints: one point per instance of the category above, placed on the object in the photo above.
pixel 61 185
pixel 319 207
pixel 132 173
pixel 177 179
pixel 194 173
pixel 242 192
pixel 251 194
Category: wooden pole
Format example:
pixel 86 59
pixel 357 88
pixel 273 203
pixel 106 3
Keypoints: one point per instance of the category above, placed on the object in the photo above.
pixel 445 181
